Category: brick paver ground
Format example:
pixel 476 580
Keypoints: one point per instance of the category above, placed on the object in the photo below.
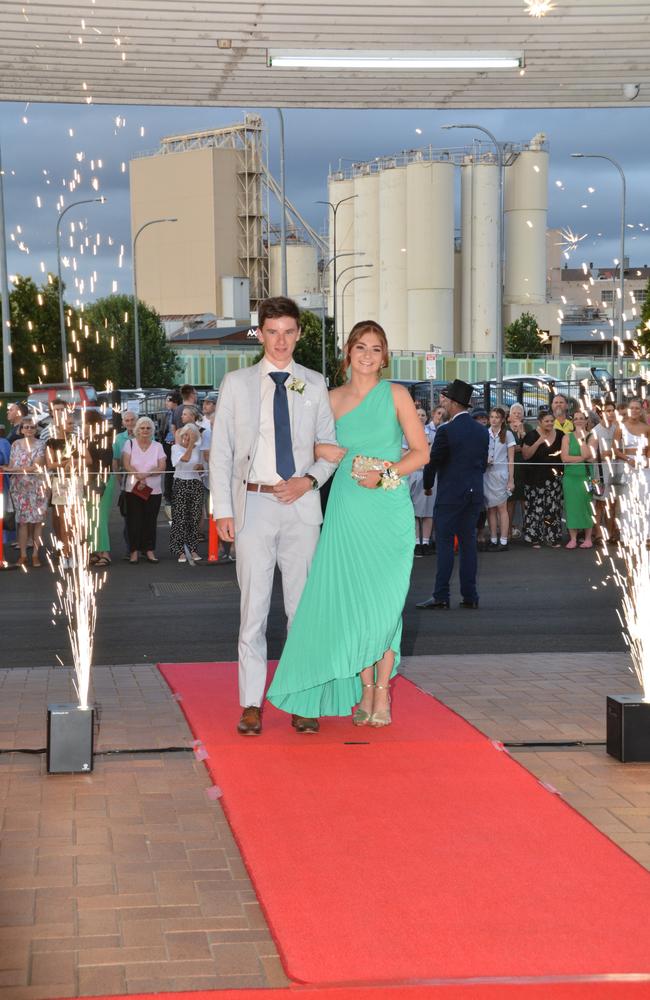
pixel 128 879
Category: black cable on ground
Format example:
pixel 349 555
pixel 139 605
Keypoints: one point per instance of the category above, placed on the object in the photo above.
pixel 533 744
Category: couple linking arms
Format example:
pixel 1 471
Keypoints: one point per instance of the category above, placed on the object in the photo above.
pixel 344 608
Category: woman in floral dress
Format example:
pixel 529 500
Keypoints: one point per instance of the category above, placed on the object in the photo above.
pixel 28 490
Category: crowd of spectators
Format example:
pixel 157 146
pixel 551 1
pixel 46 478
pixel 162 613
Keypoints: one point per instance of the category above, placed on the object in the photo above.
pixel 43 464
pixel 561 471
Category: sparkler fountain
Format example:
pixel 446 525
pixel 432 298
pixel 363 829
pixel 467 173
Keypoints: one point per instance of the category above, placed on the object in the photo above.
pixel 71 727
pixel 628 716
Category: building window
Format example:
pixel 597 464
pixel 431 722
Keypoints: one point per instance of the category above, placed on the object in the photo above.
pixel 607 296
pixel 639 295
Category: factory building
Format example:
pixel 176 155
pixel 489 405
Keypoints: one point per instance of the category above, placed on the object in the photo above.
pixel 426 286
pixel 212 183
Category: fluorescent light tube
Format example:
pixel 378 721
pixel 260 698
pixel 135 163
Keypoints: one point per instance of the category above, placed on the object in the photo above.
pixel 367 60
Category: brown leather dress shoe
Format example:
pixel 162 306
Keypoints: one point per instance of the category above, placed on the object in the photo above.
pixel 302 725
pixel 250 723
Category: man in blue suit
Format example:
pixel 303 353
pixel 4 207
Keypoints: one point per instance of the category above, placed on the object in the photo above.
pixel 458 459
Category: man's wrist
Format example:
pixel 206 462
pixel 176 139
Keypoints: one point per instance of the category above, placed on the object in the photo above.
pixel 313 482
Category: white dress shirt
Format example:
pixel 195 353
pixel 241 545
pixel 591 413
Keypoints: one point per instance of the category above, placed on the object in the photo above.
pixel 263 469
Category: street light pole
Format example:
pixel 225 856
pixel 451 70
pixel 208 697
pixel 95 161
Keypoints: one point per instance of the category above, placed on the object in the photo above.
pixel 357 277
pixel 621 263
pixel 5 312
pixel 346 253
pixel 335 208
pixel 344 271
pixel 500 248
pixel 283 218
pixel 64 346
pixel 136 324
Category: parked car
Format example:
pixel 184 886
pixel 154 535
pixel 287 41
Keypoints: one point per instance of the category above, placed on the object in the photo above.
pixel 144 402
pixel 82 394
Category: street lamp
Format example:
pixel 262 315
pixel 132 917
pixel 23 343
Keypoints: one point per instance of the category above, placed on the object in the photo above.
pixel 621 263
pixel 64 346
pixel 136 325
pixel 345 253
pixel 335 208
pixel 5 312
pixel 500 243
pixel 344 271
pixel 357 277
pixel 283 218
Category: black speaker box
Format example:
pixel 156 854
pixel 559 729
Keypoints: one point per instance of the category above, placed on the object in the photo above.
pixel 70 739
pixel 628 727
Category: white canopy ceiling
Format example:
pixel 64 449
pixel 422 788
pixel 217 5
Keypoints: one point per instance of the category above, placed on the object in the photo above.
pixel 168 52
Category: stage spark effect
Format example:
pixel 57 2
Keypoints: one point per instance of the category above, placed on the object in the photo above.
pixel 539 8
pixel 78 586
pixel 631 570
pixel 569 240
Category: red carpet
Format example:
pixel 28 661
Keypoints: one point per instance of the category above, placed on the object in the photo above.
pixel 417 853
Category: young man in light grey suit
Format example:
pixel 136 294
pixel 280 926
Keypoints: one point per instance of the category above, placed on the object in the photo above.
pixel 264 483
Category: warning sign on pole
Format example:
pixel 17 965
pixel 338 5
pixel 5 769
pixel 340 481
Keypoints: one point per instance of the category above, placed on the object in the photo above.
pixel 430 364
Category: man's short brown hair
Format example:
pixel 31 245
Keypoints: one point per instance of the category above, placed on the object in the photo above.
pixel 277 307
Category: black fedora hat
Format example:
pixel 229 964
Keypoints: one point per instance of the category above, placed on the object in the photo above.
pixel 459 391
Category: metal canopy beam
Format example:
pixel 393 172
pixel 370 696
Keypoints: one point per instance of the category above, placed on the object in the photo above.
pixel 168 52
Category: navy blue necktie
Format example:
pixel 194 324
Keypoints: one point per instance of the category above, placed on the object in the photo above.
pixel 284 462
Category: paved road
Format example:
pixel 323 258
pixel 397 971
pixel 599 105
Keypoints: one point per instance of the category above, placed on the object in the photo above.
pixel 530 602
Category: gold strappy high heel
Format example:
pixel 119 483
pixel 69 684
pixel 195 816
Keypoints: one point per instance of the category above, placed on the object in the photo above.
pixel 361 718
pixel 381 718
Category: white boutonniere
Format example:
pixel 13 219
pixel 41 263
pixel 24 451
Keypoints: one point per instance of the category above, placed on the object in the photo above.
pixel 296 386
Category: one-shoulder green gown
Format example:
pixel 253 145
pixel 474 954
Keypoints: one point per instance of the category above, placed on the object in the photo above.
pixel 350 612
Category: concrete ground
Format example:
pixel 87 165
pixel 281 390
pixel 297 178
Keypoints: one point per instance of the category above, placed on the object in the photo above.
pixel 128 879
pixel 531 601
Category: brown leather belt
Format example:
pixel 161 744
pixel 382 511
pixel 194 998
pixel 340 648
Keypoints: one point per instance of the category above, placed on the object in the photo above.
pixel 258 488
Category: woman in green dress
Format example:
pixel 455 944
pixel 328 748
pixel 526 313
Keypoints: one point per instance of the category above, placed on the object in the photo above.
pixel 577 452
pixel 344 643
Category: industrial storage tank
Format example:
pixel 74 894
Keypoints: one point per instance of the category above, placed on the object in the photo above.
pixel 526 198
pixel 430 254
pixel 466 182
pixel 339 189
pixel 365 287
pixel 302 268
pixel 485 254
pixel 392 312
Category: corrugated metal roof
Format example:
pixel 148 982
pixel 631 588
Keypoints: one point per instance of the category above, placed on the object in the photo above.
pixel 214 52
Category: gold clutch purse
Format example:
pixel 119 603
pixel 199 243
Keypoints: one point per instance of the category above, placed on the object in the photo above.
pixel 362 464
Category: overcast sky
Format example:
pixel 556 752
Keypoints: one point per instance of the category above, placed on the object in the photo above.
pixel 44 144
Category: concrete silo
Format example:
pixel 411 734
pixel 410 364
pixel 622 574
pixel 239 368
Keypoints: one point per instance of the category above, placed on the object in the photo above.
pixel 466 191
pixel 526 204
pixel 430 254
pixel 302 268
pixel 484 254
pixel 366 235
pixel 392 311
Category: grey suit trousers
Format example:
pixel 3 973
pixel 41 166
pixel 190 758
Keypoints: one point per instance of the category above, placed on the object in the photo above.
pixel 273 534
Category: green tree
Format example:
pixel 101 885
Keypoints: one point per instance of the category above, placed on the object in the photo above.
pixel 110 323
pixel 309 349
pixel 643 329
pixel 35 332
pixel 522 337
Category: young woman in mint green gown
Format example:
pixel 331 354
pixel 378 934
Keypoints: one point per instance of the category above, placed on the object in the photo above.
pixel 344 643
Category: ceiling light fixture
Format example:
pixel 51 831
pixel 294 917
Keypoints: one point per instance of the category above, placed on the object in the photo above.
pixel 391 60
